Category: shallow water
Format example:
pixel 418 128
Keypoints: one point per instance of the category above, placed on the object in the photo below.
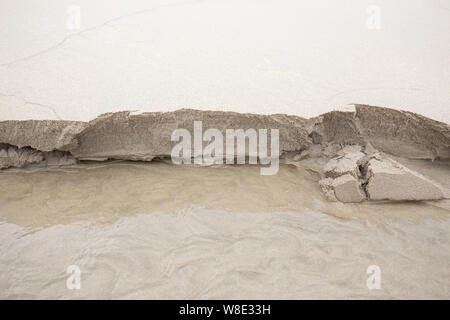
pixel 155 230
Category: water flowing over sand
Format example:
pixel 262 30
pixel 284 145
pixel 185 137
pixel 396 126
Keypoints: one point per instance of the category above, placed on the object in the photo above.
pixel 155 230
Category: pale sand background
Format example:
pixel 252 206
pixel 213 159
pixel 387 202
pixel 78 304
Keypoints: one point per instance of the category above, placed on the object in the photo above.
pixel 265 56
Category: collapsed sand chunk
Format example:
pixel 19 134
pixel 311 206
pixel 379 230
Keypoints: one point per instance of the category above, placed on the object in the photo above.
pixel 342 176
pixel 348 189
pixel 389 180
pixel 347 163
pixel 326 185
pixel 345 188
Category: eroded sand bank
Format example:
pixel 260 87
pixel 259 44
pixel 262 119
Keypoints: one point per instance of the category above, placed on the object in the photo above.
pixel 150 229
pixel 123 135
pixel 350 175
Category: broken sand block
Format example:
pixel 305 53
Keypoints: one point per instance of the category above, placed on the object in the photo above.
pixel 345 188
pixel 389 180
pixel 346 163
pixel 326 185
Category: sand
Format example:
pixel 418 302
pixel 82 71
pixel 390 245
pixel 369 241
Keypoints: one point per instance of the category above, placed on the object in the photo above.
pixel 294 57
pixel 77 104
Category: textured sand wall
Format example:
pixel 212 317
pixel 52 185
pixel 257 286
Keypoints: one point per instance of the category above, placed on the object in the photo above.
pixel 351 174
pixel 122 135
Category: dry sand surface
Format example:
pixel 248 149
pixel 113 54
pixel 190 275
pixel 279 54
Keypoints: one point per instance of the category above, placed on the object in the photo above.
pixel 87 111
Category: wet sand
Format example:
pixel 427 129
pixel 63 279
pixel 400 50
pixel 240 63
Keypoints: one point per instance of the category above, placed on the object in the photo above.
pixel 155 230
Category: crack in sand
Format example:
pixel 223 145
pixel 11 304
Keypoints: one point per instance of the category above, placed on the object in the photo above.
pixel 52 109
pixel 65 39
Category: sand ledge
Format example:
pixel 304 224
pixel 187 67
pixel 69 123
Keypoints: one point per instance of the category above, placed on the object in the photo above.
pixel 142 137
